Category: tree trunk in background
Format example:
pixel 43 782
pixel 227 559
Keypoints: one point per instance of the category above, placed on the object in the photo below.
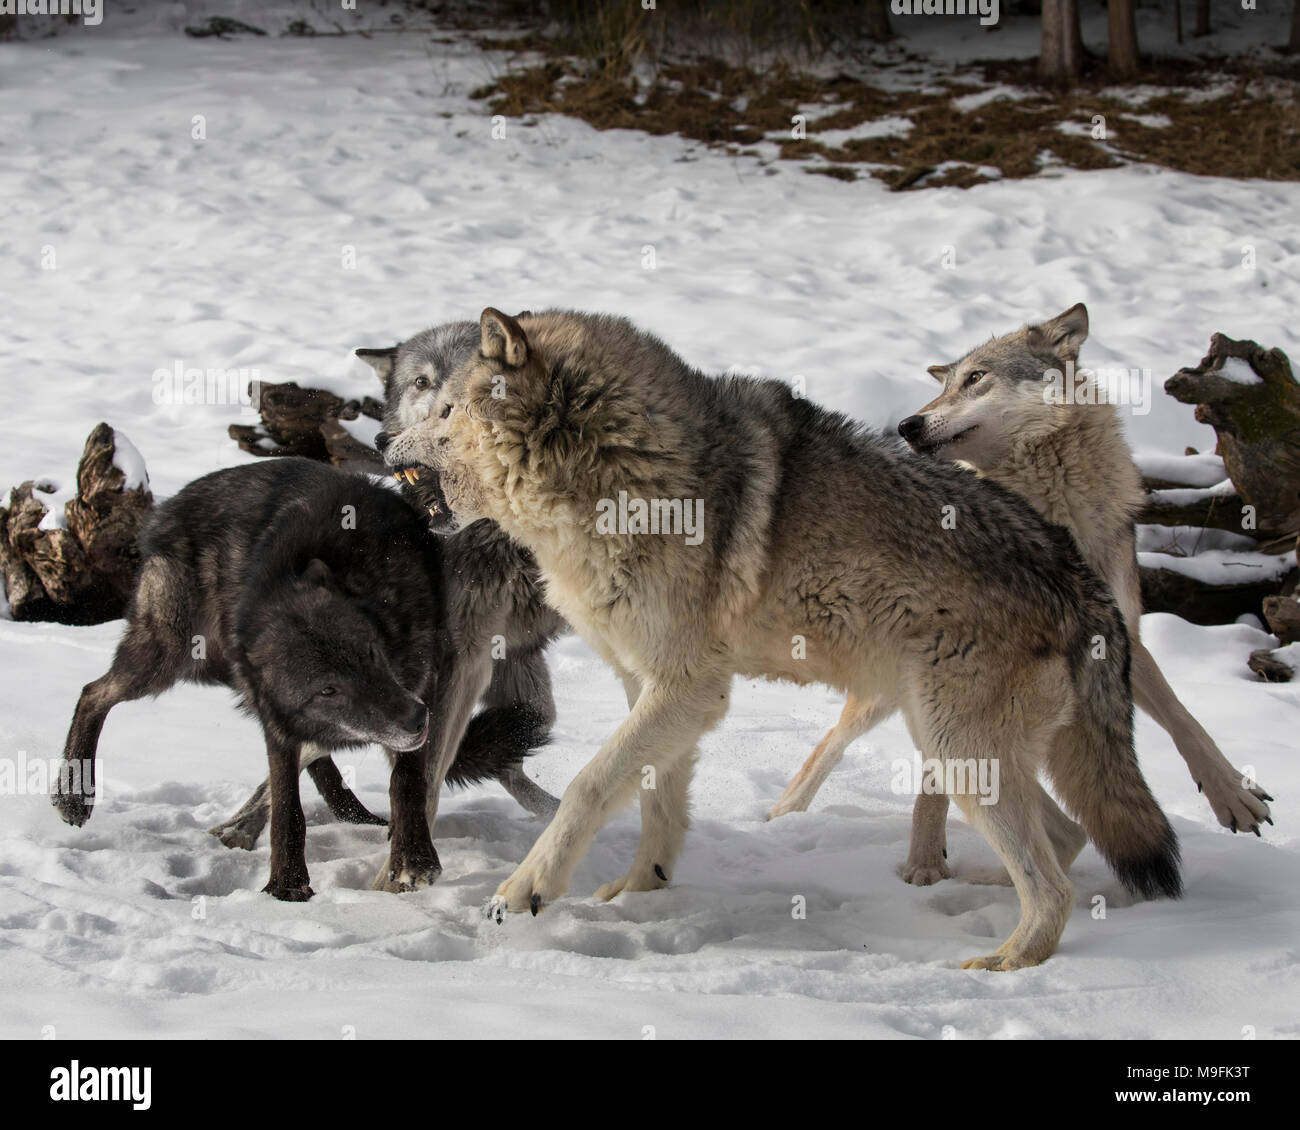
pixel 1202 17
pixel 1060 59
pixel 1295 27
pixel 878 20
pixel 1122 54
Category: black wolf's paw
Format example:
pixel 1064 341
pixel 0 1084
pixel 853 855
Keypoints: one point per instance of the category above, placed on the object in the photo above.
pixel 72 807
pixel 288 893
pixel 399 877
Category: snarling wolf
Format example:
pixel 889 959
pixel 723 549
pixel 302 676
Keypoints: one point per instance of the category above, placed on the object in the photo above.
pixel 315 595
pixel 498 623
pixel 910 582
pixel 1071 462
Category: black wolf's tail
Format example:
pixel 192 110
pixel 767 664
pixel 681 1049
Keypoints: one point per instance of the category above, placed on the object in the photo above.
pixel 496 742
pixel 1093 763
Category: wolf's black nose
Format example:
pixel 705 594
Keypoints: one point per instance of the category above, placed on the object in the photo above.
pixel 418 720
pixel 910 428
pixel 382 440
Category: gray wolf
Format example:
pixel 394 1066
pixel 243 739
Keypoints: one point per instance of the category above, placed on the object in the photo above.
pixel 498 624
pixel 1071 462
pixel 870 589
pixel 274 580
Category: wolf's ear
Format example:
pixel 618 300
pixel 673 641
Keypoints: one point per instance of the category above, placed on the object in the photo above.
pixel 503 338
pixel 317 572
pixel 381 360
pixel 1066 333
pixel 939 372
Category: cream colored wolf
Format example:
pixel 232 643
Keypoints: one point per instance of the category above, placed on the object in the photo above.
pixel 1070 461
pixel 910 583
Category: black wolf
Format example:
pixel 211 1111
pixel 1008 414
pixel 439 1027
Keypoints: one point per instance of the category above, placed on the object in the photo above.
pixel 317 597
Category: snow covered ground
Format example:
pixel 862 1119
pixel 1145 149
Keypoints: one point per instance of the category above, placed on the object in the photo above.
pixel 233 250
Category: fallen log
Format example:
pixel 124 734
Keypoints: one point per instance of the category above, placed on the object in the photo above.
pixel 1167 590
pixel 305 422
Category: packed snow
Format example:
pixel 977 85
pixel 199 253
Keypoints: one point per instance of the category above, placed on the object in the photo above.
pixel 273 203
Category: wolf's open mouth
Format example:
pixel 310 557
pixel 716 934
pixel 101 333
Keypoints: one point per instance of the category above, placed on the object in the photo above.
pixel 931 448
pixel 424 481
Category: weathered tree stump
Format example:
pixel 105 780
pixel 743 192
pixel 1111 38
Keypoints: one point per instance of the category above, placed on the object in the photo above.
pixel 84 573
pixel 1258 425
pixel 305 422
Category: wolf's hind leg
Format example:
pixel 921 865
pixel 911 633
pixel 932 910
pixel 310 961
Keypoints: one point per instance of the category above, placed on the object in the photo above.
pixel 990 757
pixel 342 801
pixel 927 859
pixel 529 793
pixel 858 716
pixel 244 828
pixel 1066 836
pixel 1014 828
pixel 146 662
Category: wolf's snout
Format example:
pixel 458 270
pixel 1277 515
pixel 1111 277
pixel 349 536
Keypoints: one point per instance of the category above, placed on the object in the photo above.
pixel 382 440
pixel 418 719
pixel 911 428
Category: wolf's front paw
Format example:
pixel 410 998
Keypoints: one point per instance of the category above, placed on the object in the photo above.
pixel 72 807
pixel 1238 803
pixel 527 889
pixel 1001 962
pixel 397 876
pixel 638 879
pixel 926 872
pixel 289 892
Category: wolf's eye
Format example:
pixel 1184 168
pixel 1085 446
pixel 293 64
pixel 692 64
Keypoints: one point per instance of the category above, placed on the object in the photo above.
pixel 974 378
pixel 326 692
pixel 445 412
pixel 421 383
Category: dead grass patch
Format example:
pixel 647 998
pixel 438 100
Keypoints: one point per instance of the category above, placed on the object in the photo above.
pixel 1251 129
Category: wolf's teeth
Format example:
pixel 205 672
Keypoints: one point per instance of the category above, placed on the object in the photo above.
pixel 397 475
pixel 433 511
pixel 414 472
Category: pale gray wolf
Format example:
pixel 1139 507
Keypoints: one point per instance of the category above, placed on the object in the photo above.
pixel 315 595
pixel 498 624
pixel 830 554
pixel 1071 462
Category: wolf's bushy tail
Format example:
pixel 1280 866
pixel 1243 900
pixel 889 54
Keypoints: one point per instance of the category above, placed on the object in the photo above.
pixel 1094 766
pixel 496 741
